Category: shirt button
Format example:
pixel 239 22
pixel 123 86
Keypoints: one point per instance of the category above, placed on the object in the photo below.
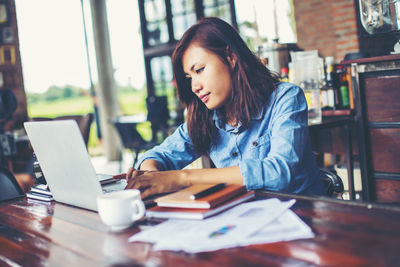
pixel 234 154
pixel 255 143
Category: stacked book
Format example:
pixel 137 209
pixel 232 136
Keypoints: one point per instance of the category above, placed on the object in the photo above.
pixel 40 192
pixel 199 201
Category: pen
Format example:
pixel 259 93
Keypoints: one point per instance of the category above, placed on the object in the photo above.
pixel 119 176
pixel 208 191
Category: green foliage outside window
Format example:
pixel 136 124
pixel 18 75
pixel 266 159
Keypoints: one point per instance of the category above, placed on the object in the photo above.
pixel 57 101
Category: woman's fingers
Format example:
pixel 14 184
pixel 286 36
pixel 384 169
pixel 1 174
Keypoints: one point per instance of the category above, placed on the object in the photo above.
pixel 150 182
pixel 129 173
pixel 137 179
pixel 132 174
pixel 131 178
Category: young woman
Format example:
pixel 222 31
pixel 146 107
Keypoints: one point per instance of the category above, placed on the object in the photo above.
pixel 253 127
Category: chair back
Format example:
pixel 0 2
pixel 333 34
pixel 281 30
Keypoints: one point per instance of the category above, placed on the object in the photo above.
pixel 158 115
pixel 8 104
pixel 84 122
pixel 157 110
pixel 9 187
pixel 332 182
pixel 130 137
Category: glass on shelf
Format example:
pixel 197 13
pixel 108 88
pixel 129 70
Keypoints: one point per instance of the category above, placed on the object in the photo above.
pixel 307 71
pixel 379 16
pixel 312 92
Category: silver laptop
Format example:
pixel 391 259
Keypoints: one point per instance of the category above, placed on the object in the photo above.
pixel 65 163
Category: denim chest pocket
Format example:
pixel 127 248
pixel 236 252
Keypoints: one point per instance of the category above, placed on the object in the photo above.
pixel 261 146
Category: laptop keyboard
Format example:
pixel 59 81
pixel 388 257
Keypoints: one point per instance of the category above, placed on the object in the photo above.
pixel 109 190
pixel 116 186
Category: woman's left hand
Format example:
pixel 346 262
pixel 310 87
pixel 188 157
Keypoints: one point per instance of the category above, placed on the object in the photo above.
pixel 155 182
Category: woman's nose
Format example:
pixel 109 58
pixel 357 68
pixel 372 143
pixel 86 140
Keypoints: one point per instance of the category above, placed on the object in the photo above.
pixel 196 86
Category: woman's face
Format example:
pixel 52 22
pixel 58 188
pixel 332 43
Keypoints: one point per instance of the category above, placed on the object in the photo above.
pixel 209 76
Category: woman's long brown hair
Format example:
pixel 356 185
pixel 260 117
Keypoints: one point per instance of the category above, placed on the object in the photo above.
pixel 252 82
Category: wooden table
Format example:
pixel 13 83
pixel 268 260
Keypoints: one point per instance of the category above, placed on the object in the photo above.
pixel 53 234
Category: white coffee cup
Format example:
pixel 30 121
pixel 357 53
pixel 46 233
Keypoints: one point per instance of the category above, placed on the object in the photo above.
pixel 120 209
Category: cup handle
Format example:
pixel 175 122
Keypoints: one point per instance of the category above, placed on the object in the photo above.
pixel 140 209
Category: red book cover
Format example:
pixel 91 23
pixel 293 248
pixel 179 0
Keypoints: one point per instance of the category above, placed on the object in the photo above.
pixel 181 199
pixel 197 214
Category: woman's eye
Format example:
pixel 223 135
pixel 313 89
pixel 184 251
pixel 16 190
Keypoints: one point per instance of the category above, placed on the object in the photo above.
pixel 188 78
pixel 199 70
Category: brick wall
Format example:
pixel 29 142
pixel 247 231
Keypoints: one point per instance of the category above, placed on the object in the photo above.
pixel 329 26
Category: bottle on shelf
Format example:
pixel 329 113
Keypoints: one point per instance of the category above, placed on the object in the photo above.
pixel 324 98
pixel 284 74
pixel 350 83
pixel 328 91
pixel 342 88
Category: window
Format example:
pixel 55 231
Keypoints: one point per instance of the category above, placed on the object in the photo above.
pixel 161 69
pixel 217 8
pixel 156 22
pixel 183 16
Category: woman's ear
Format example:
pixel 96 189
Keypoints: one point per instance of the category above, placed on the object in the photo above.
pixel 231 57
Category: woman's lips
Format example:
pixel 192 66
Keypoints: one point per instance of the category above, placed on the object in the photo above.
pixel 204 98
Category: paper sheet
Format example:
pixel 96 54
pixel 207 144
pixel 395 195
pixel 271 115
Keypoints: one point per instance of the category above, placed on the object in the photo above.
pixel 249 223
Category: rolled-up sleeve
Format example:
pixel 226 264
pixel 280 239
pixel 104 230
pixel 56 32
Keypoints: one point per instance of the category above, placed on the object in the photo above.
pixel 174 153
pixel 288 133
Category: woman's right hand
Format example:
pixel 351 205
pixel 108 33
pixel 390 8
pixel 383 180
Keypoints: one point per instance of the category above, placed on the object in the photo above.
pixel 155 182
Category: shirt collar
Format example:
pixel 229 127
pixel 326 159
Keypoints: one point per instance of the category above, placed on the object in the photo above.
pixel 229 128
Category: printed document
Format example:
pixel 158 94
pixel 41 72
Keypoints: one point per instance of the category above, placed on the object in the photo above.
pixel 249 223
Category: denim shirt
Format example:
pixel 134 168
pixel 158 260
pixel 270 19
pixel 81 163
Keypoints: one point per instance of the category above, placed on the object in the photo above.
pixel 273 152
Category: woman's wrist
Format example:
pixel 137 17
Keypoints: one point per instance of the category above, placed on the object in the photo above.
pixel 185 178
